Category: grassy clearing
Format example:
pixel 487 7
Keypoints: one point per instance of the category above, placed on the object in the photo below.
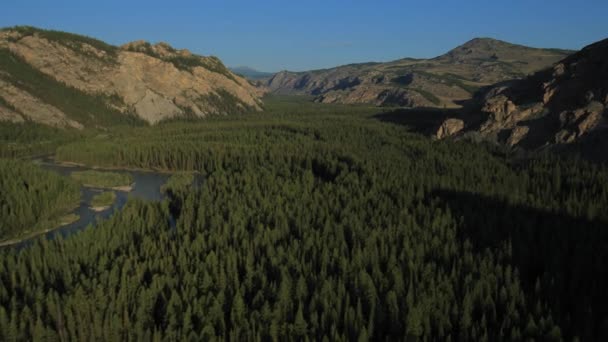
pixel 103 200
pixel 102 179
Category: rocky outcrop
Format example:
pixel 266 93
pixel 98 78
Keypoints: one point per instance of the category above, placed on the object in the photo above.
pixel 19 105
pixel 559 105
pixel 152 82
pixel 449 128
pixel 444 81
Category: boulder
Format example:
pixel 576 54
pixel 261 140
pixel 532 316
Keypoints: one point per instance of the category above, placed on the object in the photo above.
pixel 449 128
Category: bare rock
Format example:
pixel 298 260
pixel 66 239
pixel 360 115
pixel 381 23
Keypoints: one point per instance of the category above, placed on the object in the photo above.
pixel 7 114
pixel 449 128
pixel 142 76
pixel 32 108
pixel 559 105
pixel 500 106
pixel 517 134
pixel 154 107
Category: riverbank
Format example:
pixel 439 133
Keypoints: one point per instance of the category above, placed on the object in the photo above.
pixel 102 201
pixel 124 188
pixel 109 168
pixel 57 224
pixel 104 180
pixel 143 184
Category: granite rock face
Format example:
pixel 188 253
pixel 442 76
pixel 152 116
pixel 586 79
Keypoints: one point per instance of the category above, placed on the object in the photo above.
pixel 449 128
pixel 558 105
pixel 152 82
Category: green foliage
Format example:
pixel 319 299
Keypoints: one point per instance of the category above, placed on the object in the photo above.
pixel 451 80
pixel 210 63
pixel 103 199
pixel 102 179
pixel 318 222
pixel 427 95
pixel 459 81
pixel 89 110
pixel 225 103
pixel 179 182
pixel 30 139
pixel 144 47
pixel 32 199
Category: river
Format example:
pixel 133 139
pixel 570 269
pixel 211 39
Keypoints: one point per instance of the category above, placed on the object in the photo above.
pixel 146 186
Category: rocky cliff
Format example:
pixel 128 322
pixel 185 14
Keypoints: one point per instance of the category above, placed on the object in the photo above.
pixel 559 105
pixel 444 81
pixel 68 80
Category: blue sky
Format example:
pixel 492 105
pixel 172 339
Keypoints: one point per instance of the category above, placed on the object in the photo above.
pixel 303 35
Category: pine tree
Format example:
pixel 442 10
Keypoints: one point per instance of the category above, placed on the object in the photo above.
pixel 300 325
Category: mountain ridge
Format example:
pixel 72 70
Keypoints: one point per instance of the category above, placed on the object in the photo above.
pixel 443 81
pixel 137 81
pixel 562 105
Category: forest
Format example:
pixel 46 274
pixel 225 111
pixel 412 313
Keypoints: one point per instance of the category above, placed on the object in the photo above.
pixel 313 222
pixel 32 199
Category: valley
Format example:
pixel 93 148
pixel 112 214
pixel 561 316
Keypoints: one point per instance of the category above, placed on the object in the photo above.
pixel 401 213
pixel 151 193
pixel 444 81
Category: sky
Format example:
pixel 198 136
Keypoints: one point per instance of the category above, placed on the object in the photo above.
pixel 304 35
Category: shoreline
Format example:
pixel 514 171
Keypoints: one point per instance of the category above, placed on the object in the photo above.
pixel 29 236
pixel 122 188
pixel 71 216
pixel 109 168
pixel 99 209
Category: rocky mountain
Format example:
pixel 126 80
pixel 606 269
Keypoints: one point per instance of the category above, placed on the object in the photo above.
pixel 560 105
pixel 444 81
pixel 250 73
pixel 67 80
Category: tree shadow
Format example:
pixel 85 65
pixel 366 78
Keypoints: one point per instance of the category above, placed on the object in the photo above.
pixel 592 146
pixel 420 120
pixel 565 254
pixel 540 129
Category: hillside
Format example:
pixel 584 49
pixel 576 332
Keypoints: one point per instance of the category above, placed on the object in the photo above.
pixel 67 80
pixel 444 81
pixel 559 105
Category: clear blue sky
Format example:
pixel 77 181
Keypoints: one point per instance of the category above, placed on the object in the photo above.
pixel 302 35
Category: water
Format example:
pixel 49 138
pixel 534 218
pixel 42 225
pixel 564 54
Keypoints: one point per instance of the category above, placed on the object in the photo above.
pixel 146 187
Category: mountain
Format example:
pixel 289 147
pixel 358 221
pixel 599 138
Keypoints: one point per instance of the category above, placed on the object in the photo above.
pixel 67 80
pixel 444 81
pixel 250 73
pixel 560 105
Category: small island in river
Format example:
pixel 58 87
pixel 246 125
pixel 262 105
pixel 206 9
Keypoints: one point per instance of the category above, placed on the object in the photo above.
pixel 102 201
pixel 104 180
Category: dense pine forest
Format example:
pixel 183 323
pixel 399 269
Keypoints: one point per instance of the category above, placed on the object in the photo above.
pixel 313 222
pixel 32 199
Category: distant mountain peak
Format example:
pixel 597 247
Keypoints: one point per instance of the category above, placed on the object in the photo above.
pixel 486 40
pixel 563 104
pixel 490 49
pixel 444 81
pixel 250 73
